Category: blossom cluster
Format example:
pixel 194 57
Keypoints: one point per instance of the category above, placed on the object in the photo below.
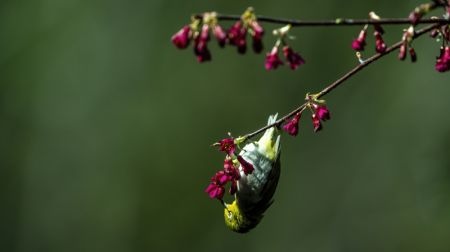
pixel 319 114
pixel 359 43
pixel 231 172
pixel 273 60
pixel 200 28
pixel 441 33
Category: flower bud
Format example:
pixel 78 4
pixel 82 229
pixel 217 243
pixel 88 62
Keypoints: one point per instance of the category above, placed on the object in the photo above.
pixel 181 39
pixel 272 59
pixel 220 35
pixel 293 58
pixel 359 43
pixel 402 52
pixel 412 54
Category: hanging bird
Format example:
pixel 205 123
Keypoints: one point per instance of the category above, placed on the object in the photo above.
pixel 255 191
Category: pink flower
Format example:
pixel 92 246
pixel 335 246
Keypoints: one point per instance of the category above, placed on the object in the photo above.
pixel 322 112
pixel 292 126
pixel 220 35
pixel 443 62
pixel 380 46
pixel 233 187
pixel 216 188
pixel 415 16
pixel 215 191
pixel 412 54
pixel 272 59
pixel 200 47
pixel 201 51
pixel 257 35
pixel 227 145
pixel 257 45
pixel 316 122
pixel 181 38
pixel 221 178
pixel 257 29
pixel 237 36
pixel 293 58
pixel 228 165
pixel 247 168
pixel 231 170
pixel 402 53
pixel 234 33
pixel 359 43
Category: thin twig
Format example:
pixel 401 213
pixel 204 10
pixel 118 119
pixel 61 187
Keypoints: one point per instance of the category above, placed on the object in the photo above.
pixel 333 22
pixel 341 21
pixel 341 80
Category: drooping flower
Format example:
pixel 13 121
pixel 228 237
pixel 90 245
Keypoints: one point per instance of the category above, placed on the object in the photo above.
pixel 380 46
pixel 230 169
pixel 215 191
pixel 181 39
pixel 412 54
pixel 293 58
pixel 228 165
pixel 242 42
pixel 402 51
pixel 216 188
pixel 220 35
pixel 237 36
pixel 272 59
pixel 234 33
pixel 292 126
pixel 443 62
pixel 257 34
pixel 247 168
pixel 201 51
pixel 221 178
pixel 419 11
pixel 233 187
pixel 359 43
pixel 415 16
pixel 316 122
pixel 227 145
pixel 322 112
pixel 200 48
pixel 257 29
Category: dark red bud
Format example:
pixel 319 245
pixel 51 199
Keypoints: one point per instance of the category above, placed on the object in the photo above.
pixel 412 54
pixel 402 53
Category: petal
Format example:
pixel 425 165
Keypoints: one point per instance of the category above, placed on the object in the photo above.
pixel 246 166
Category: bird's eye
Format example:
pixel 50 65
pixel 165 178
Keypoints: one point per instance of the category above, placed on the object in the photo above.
pixel 230 215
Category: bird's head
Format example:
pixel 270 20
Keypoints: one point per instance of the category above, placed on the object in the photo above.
pixel 235 219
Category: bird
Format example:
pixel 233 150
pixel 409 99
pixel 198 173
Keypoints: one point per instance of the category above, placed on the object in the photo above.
pixel 255 191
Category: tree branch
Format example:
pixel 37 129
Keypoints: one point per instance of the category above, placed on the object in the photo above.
pixel 333 22
pixel 341 80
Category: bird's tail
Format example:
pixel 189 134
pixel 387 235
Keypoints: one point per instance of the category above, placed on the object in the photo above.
pixel 272 119
pixel 267 141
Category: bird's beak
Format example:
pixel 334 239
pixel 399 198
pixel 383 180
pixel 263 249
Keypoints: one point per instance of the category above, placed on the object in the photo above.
pixel 223 204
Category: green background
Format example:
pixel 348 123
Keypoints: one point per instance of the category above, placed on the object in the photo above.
pixel 106 129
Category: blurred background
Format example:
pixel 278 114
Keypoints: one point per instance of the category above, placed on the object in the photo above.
pixel 106 128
